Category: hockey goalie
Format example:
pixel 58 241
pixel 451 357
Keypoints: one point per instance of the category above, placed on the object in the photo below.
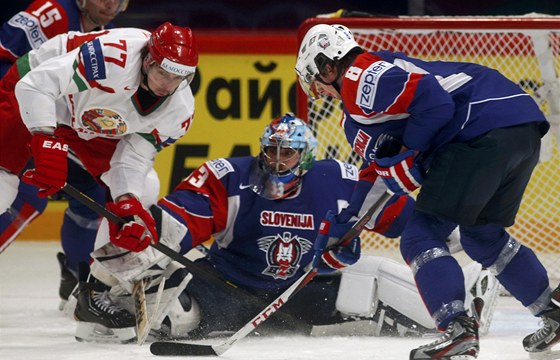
pixel 263 213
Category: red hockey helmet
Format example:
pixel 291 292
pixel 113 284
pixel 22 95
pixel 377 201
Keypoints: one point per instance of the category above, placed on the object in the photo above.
pixel 173 48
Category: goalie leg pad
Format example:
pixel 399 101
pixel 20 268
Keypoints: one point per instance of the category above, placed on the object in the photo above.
pixel 177 313
pixel 487 288
pixel 114 265
pixel 374 280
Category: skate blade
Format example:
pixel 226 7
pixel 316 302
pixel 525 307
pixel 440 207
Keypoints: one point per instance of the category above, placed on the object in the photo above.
pixel 90 332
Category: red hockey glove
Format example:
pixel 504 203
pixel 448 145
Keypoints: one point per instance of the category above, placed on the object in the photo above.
pixel 330 255
pixel 139 230
pixel 400 173
pixel 51 167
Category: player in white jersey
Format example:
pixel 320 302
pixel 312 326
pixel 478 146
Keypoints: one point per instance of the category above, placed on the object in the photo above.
pixel 27 30
pixel 264 213
pixel 113 99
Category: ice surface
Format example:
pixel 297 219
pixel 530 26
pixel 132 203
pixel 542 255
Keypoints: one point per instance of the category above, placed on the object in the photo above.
pixel 31 327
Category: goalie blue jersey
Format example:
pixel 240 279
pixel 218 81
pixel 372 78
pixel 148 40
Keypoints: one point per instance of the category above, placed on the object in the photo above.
pixel 258 243
pixel 426 104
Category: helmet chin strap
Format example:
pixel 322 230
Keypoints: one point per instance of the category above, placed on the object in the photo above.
pixel 145 82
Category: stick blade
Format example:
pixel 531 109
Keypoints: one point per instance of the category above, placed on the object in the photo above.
pixel 168 348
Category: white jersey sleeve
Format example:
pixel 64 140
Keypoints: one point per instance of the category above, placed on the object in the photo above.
pixel 130 163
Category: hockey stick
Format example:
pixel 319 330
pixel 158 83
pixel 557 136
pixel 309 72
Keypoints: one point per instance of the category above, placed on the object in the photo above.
pixel 208 276
pixel 185 349
pixel 141 310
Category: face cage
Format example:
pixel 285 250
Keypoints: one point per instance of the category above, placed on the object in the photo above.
pixel 273 184
pixel 277 170
pixel 270 185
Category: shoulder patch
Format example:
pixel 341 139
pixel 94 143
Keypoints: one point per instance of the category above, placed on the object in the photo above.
pixel 367 87
pixel 93 60
pixel 30 26
pixel 220 167
pixel 348 171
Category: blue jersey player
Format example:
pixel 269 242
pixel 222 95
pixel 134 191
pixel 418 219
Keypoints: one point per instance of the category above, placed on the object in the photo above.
pixel 470 138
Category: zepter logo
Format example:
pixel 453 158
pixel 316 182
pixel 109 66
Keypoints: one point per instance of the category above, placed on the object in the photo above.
pixel 103 121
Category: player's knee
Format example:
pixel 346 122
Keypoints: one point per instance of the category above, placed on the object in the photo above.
pixel 485 243
pixel 422 233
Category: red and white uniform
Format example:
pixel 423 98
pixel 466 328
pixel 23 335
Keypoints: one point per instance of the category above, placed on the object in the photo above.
pixel 86 85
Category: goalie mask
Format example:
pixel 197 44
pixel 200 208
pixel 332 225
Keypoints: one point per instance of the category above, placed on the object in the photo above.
pixel 322 44
pixel 287 152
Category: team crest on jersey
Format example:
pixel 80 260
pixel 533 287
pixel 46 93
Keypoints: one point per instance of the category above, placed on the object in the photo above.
pixel 283 254
pixel 103 121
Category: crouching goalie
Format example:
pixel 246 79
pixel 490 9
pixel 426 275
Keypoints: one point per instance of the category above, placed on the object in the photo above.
pixel 264 214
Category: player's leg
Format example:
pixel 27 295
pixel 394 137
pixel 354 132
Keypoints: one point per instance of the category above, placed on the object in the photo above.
pixel 23 209
pixel 521 273
pixel 79 228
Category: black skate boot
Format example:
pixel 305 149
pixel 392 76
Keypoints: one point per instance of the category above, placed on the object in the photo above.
pixel 540 343
pixel 68 281
pixel 99 318
pixel 458 342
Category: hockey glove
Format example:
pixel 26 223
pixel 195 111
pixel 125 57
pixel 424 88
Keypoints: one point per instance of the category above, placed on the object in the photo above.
pixel 51 166
pixel 399 172
pixel 138 231
pixel 330 255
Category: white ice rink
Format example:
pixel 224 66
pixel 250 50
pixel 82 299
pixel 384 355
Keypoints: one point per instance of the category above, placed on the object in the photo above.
pixel 32 328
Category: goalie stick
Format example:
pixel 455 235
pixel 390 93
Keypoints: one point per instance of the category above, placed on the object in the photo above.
pixel 141 310
pixel 210 277
pixel 166 348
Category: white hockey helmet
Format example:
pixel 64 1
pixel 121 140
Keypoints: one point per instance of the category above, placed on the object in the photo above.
pixel 321 44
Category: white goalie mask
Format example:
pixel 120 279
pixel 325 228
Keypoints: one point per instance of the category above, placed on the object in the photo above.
pixel 321 44
pixel 287 152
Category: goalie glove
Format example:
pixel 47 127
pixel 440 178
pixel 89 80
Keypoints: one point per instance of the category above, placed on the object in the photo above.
pixel 138 232
pixel 51 166
pixel 330 255
pixel 400 173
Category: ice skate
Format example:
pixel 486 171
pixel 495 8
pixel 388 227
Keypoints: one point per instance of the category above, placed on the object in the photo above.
pixel 99 318
pixel 540 343
pixel 458 342
pixel 68 281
